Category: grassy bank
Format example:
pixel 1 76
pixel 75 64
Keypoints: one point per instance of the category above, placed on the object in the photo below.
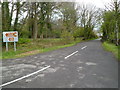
pixel 112 48
pixel 26 47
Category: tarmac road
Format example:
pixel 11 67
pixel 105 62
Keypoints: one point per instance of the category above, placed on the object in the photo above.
pixel 85 65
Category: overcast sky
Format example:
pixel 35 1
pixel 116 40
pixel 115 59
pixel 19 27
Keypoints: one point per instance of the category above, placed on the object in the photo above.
pixel 97 3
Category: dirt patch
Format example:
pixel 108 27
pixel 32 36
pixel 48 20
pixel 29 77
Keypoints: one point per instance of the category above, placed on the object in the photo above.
pixel 29 53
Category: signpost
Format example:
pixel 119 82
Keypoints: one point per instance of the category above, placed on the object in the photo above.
pixel 11 36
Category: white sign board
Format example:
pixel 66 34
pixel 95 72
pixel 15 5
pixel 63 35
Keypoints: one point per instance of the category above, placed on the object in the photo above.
pixel 11 36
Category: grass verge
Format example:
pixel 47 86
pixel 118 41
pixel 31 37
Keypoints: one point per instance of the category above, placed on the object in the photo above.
pixel 112 48
pixel 35 46
pixel 26 47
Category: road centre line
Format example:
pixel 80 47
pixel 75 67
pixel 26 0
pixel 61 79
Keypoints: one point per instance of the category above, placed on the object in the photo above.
pixel 24 76
pixel 83 47
pixel 71 54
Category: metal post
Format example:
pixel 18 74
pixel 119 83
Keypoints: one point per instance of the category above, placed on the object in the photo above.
pixel 14 46
pixel 6 46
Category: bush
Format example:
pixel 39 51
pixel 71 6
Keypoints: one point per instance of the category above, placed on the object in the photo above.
pixel 78 33
pixel 67 37
pixel 23 40
pixel 111 37
pixel 93 35
pixel 25 33
pixel 56 33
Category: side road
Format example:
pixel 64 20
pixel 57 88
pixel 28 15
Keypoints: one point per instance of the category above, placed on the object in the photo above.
pixel 85 65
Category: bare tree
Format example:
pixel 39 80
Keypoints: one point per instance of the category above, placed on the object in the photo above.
pixel 89 16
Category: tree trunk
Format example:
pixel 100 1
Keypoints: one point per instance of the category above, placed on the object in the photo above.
pixel 5 16
pixel 35 30
pixel 17 13
pixel 10 19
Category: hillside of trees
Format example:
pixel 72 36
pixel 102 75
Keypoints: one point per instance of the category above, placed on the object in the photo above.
pixel 67 20
pixel 50 19
pixel 111 23
pixel 46 26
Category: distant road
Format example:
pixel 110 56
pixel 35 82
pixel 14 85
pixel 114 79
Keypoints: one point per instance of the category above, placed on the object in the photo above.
pixel 85 65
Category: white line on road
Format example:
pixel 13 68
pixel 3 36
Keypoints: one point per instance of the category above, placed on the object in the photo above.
pixel 71 54
pixel 24 77
pixel 83 47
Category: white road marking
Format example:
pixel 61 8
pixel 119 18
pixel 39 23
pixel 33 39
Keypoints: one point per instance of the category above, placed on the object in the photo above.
pixel 90 63
pixel 35 57
pixel 81 76
pixel 71 54
pixel 24 77
pixel 98 39
pixel 95 74
pixel 83 47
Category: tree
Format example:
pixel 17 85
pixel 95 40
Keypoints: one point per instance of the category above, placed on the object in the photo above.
pixel 35 25
pixel 46 10
pixel 89 17
pixel 11 16
pixel 117 11
pixel 18 5
pixel 69 15
pixel 110 25
pixel 5 16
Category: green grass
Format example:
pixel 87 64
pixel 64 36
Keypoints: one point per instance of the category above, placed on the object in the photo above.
pixel 112 48
pixel 35 46
pixel 26 47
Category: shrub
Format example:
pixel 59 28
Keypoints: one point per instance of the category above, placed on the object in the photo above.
pixel 56 33
pixel 67 37
pixel 23 40
pixel 25 33
pixel 111 37
pixel 78 33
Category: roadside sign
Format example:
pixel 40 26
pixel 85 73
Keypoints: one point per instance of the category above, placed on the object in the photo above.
pixel 11 36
